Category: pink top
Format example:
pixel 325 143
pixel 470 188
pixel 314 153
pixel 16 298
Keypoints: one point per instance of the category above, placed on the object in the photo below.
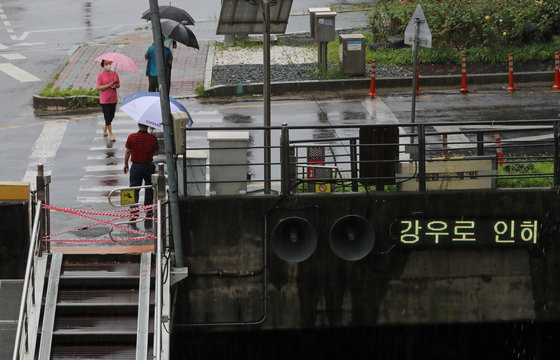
pixel 109 95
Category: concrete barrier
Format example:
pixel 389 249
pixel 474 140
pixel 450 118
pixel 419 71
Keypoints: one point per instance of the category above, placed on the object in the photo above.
pixel 493 281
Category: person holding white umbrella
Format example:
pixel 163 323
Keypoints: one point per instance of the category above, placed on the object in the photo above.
pixel 140 150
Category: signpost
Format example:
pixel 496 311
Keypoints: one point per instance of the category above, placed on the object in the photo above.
pixel 417 33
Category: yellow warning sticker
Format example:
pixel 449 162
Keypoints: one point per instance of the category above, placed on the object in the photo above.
pixel 127 197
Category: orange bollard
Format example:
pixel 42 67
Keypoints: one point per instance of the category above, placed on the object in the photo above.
pixel 464 74
pixel 556 70
pixel 511 87
pixel 499 151
pixel 444 145
pixel 372 81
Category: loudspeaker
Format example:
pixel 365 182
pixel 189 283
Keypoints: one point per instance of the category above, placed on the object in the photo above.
pixel 293 239
pixel 351 237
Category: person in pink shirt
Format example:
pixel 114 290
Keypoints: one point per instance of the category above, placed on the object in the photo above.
pixel 107 84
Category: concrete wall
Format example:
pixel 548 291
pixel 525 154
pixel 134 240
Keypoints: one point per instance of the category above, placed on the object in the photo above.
pixel 14 238
pixel 223 244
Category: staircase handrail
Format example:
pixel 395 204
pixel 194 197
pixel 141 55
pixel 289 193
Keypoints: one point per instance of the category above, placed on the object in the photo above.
pixel 158 286
pixel 27 282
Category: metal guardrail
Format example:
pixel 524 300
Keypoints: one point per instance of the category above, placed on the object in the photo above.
pixel 22 343
pixel 514 145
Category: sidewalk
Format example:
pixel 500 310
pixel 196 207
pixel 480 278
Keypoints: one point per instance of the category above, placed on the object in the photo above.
pixel 82 69
pixel 190 68
pixel 189 65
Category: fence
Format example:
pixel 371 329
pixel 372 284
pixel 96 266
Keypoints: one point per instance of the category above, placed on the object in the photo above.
pixel 387 157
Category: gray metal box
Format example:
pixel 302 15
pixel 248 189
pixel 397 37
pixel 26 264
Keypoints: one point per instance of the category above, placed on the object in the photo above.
pixel 325 26
pixel 352 53
pixel 312 12
pixel 196 173
pixel 228 149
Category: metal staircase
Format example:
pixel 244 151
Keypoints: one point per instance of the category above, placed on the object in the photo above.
pixel 99 308
pixel 94 306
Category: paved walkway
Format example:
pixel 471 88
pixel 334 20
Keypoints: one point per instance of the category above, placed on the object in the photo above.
pixel 82 69
pixel 188 64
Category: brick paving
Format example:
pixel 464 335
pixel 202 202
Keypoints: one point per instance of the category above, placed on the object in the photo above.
pixel 82 69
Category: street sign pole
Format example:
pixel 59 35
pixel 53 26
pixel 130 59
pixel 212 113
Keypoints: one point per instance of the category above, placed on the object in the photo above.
pixel 414 68
pixel 266 95
pixel 417 33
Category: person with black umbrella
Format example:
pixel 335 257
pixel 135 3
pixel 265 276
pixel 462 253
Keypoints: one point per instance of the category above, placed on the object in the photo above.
pixel 151 67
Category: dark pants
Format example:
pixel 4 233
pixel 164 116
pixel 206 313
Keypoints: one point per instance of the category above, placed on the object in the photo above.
pixel 152 84
pixel 142 172
pixel 108 112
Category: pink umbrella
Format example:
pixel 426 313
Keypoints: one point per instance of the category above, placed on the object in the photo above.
pixel 120 61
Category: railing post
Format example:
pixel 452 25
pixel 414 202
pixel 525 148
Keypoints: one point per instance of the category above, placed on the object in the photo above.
pixel 556 153
pixel 42 183
pixel 160 194
pixel 285 159
pixel 421 158
pixel 354 164
pixel 480 143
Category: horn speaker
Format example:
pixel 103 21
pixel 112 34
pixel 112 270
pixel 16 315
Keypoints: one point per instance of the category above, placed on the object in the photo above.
pixel 351 237
pixel 293 239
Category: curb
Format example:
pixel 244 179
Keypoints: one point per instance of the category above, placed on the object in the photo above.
pixel 65 105
pixel 386 85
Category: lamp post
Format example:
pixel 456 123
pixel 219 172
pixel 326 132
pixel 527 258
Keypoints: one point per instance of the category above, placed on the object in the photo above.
pixel 167 134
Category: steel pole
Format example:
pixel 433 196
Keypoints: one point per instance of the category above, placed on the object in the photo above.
pixel 266 94
pixel 414 68
pixel 167 133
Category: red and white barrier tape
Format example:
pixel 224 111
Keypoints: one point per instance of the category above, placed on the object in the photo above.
pixel 129 213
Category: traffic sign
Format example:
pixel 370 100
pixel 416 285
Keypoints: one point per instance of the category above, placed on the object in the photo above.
pixel 423 32
pixel 127 196
pixel 322 188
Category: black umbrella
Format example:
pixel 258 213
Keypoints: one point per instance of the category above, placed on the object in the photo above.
pixel 179 32
pixel 173 13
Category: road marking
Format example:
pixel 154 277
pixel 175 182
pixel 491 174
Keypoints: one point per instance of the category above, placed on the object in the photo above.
pixel 97 168
pixel 30 44
pixel 13 56
pixel 17 73
pixel 208 121
pixel 98 188
pixel 102 148
pixel 3 47
pixel 45 148
pixel 27 33
pixel 289 103
pixel 454 141
pixel 93 199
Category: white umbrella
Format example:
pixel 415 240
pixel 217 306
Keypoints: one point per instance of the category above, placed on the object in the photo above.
pixel 145 108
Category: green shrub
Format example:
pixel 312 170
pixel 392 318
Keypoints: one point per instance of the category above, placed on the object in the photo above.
pixel 465 23
pixel 57 92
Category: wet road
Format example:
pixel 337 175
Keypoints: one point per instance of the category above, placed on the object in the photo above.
pixel 37 35
pixel 85 167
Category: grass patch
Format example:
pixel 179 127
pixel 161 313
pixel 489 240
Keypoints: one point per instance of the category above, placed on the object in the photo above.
pixel 69 91
pixel 526 174
pixel 199 90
